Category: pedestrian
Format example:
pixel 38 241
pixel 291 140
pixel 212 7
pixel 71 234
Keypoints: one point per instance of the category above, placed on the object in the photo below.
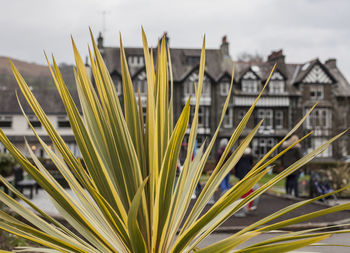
pixel 242 168
pixel 225 184
pixel 199 186
pixel 291 156
pixel 244 164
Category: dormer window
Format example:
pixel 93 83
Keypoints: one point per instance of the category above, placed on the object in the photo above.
pixel 316 92
pixel 193 80
pixel 135 61
pixel 249 82
pixel 249 86
pixel 276 85
pixel 224 88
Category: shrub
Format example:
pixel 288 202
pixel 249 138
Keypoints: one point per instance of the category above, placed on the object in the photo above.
pixel 6 164
pixel 127 197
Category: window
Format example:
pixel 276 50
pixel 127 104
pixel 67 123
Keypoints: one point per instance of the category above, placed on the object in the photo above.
pixel 241 114
pixel 262 145
pixel 118 86
pixel 75 149
pixel 142 86
pixel 319 118
pixel 224 88
pixel 63 122
pixel 249 86
pixel 117 83
pixel 140 83
pixel 203 116
pixel 316 92
pixel 5 121
pixel 265 114
pixel 315 142
pixel 279 119
pixel 189 89
pixel 228 119
pixel 34 121
pixel 193 80
pixel 135 61
pixel 276 86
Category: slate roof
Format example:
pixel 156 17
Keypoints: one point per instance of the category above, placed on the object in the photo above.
pixel 181 68
pixel 49 99
pixel 217 66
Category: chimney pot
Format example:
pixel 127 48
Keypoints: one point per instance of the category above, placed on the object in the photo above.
pixel 332 63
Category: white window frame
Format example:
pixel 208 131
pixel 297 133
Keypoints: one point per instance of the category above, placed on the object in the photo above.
pixel 318 141
pixel 320 118
pixel 224 88
pixel 203 116
pixel 316 92
pixel 250 86
pixel 279 119
pixel 189 89
pixel 140 82
pixel 62 118
pixel 193 80
pixel 267 115
pixel 33 120
pixel 142 86
pixel 135 61
pixel 262 145
pixel 276 87
pixel 118 87
pixel 228 119
pixel 6 118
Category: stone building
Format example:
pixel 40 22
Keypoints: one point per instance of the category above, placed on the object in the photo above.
pixel 293 89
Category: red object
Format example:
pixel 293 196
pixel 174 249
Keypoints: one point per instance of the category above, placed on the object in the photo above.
pixel 247 194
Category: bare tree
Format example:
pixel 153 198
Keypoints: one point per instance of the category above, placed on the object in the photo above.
pixel 249 57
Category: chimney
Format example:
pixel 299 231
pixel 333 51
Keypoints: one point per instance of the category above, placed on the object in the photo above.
pixel 224 47
pixel 100 41
pixel 332 63
pixel 166 38
pixel 276 56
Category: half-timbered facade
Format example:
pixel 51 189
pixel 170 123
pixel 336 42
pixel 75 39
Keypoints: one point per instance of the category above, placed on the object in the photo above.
pixel 293 89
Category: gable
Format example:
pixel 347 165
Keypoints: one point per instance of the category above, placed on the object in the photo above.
pixel 250 75
pixel 317 75
pixel 141 75
pixel 194 76
pixel 277 76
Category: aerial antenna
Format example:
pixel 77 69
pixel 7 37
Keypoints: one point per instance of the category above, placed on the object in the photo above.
pixel 104 13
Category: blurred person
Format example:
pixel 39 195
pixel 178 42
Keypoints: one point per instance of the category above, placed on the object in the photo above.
pixel 199 186
pixel 225 184
pixel 291 156
pixel 244 164
pixel 242 168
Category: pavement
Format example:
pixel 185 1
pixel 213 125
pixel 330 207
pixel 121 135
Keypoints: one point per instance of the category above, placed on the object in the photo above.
pixel 337 239
pixel 268 204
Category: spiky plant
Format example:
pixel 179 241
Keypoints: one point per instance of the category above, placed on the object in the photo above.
pixel 127 198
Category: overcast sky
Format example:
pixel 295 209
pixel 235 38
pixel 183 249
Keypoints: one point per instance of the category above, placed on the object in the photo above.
pixel 304 29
